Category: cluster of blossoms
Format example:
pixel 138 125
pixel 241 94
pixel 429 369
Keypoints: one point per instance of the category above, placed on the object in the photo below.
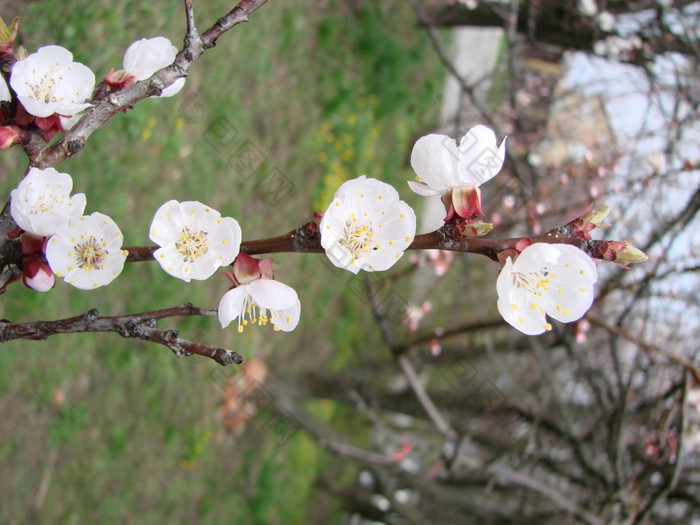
pixel 195 240
pixel 53 91
pixel 85 250
pixel 366 226
pixel 535 281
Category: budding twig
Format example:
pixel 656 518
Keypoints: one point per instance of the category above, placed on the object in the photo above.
pixel 306 239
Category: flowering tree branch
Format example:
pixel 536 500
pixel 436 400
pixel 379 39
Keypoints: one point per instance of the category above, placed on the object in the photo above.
pixel 194 47
pixel 306 239
pixel 367 226
pixel 140 326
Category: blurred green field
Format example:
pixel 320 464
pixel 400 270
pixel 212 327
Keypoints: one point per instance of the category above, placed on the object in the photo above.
pixel 96 429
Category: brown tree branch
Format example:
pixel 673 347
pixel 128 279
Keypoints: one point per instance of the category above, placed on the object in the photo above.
pixel 141 326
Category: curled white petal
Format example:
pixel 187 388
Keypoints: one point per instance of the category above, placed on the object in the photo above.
pixel 87 253
pixel 434 159
pixel 194 239
pixel 148 55
pixel 366 227
pixel 48 82
pixel 480 159
pixel 553 280
pixel 42 204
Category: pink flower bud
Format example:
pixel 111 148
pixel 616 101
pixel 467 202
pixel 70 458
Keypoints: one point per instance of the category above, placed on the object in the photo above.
pixel 37 275
pixel 8 136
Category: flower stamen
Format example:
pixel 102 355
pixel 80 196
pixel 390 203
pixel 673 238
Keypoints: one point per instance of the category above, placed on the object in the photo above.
pixel 89 254
pixel 192 245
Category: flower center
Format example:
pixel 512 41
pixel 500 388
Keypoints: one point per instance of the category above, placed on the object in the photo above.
pixel 46 203
pixel 192 245
pixel 89 254
pixel 358 238
pixel 533 282
pixel 43 89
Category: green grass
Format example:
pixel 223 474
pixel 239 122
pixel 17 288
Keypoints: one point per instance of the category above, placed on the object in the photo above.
pixel 325 94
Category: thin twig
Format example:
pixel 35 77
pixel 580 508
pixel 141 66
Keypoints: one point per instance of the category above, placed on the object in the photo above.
pixel 648 347
pixel 506 475
pixel 407 368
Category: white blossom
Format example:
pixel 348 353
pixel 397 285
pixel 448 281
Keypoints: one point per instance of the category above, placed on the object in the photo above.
pixel 148 55
pixel 366 227
pixel 42 204
pixel 441 166
pixel 194 239
pixel 261 301
pixel 87 253
pixel 48 82
pixel 552 279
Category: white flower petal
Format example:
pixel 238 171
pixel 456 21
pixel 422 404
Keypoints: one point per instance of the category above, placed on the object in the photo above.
pixel 271 294
pixel 5 95
pixel 148 55
pixel 479 157
pixel 171 261
pixel 167 223
pixel 232 304
pixel 434 159
pixel 515 307
pixel 41 204
pixel 286 320
pixel 422 189
pixel 567 301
